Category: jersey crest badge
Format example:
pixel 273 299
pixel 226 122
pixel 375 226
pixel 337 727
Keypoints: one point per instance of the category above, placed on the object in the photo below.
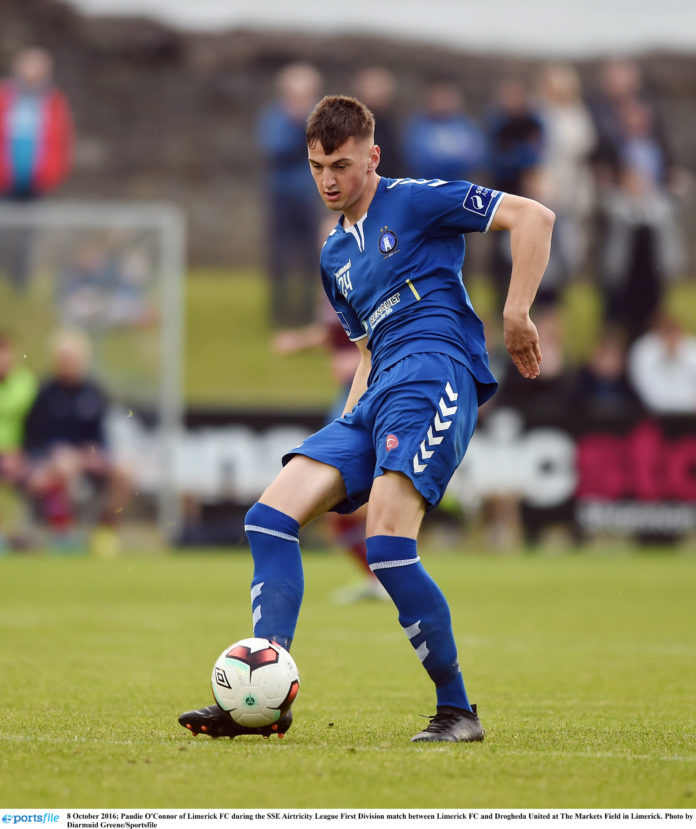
pixel 388 241
pixel 392 442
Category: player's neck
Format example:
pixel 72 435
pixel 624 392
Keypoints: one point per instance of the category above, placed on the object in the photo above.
pixel 356 211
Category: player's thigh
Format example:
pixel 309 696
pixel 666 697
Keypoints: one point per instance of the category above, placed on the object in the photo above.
pixel 426 416
pixel 395 507
pixel 304 489
pixel 345 445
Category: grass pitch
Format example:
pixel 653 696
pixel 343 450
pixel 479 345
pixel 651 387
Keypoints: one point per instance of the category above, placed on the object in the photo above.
pixel 584 669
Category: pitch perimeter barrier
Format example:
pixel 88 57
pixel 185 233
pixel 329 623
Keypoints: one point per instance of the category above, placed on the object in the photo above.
pixel 632 476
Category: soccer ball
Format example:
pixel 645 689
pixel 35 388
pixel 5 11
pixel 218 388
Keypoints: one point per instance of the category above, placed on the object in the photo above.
pixel 256 681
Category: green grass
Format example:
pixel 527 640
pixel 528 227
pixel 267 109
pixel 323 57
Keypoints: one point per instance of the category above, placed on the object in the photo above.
pixel 584 668
pixel 229 359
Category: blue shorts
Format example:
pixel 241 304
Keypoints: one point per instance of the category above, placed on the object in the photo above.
pixel 417 418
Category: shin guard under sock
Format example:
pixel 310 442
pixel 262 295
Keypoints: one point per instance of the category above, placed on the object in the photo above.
pixel 278 583
pixel 423 613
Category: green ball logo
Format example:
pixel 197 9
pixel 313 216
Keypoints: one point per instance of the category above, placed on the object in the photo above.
pixel 250 701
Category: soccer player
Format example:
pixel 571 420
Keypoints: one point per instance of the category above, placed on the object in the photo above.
pixel 391 268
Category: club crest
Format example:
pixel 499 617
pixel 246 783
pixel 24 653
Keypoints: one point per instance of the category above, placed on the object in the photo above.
pixel 392 442
pixel 387 241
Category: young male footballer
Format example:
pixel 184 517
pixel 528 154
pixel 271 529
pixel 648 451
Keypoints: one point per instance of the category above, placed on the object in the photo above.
pixel 391 268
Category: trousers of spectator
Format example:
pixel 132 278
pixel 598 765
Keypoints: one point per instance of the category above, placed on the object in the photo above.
pixel 632 302
pixel 293 253
pixel 16 245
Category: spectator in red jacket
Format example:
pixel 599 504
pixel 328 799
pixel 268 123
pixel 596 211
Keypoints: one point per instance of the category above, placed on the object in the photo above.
pixel 36 139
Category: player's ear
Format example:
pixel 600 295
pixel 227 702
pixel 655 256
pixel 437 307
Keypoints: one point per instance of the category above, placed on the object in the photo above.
pixel 374 157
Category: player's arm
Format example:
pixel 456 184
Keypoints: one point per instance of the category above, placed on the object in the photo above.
pixel 292 340
pixel 359 384
pixel 530 225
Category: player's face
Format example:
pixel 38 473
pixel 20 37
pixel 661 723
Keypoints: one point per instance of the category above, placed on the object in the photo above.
pixel 344 177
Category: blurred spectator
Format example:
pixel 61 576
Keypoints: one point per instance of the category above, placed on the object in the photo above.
pixel 66 445
pixel 639 147
pixel 327 332
pixel 641 245
pixel 621 84
pixel 546 401
pixel 292 202
pixel 601 388
pixel 128 303
pixel 375 86
pixel 515 134
pixel 18 388
pixel 17 391
pixel 100 289
pixel 36 137
pixel 565 181
pixel 83 284
pixel 548 398
pixel 442 141
pixel 662 367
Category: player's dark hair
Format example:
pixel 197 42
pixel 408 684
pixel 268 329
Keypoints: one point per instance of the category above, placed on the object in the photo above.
pixel 335 119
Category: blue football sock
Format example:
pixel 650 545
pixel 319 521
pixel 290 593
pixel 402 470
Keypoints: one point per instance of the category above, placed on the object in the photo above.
pixel 423 613
pixel 278 583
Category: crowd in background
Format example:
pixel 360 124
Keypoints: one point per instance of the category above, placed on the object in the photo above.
pixel 598 156
pixel 54 456
pixel 57 473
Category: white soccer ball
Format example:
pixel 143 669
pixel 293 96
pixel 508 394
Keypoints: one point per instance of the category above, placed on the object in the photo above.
pixel 256 681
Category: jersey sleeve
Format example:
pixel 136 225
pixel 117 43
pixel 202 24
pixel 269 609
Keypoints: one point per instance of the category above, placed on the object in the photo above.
pixel 349 319
pixel 444 208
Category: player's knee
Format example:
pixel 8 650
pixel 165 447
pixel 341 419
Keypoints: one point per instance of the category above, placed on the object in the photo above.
pixel 385 524
pixel 395 507
pixel 390 522
pixel 269 523
pixel 383 550
pixel 376 554
pixel 250 515
pixel 258 517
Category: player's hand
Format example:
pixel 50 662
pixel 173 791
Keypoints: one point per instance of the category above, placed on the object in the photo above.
pixel 285 342
pixel 522 343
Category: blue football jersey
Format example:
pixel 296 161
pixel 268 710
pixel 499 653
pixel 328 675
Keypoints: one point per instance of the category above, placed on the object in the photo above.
pixel 395 275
